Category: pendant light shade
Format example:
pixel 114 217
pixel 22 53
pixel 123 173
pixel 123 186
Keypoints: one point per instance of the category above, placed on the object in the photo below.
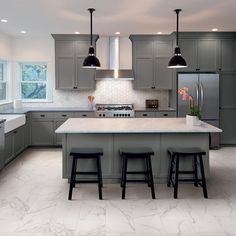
pixel 177 61
pixel 91 61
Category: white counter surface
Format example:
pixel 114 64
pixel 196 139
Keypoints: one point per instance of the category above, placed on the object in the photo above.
pixel 133 125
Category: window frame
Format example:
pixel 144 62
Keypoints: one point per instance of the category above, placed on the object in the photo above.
pixel 30 100
pixel 6 80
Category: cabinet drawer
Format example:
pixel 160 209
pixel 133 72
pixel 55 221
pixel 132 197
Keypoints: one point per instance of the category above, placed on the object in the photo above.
pixel 63 115
pixel 84 114
pixel 140 114
pixel 42 115
pixel 165 114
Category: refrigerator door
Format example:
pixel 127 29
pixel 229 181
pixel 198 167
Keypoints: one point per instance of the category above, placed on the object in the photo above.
pixel 190 81
pixel 209 96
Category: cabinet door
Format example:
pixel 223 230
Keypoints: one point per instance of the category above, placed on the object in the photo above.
pixel 142 114
pixel 228 54
pixel 143 64
pixel 9 147
pixel 163 75
pixel 42 132
pixel 2 144
pixel 163 48
pixel 188 51
pixel 27 130
pixel 65 64
pixel 207 54
pixel 85 77
pixel 228 125
pixel 19 143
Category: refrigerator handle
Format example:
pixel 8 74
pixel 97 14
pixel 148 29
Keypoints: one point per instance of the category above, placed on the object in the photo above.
pixel 197 93
pixel 202 96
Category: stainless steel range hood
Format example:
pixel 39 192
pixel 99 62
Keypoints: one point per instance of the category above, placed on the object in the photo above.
pixel 114 72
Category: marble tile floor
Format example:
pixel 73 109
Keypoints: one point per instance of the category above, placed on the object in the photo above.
pixel 33 202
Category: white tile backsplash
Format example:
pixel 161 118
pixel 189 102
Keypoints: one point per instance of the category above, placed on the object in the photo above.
pixel 106 92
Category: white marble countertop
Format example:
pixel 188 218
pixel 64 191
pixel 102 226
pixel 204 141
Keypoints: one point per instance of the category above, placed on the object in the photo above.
pixel 133 125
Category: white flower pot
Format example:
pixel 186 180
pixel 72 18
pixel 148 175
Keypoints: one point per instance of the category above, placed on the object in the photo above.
pixel 192 120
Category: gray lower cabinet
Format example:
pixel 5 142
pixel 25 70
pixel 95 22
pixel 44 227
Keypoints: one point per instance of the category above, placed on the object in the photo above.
pixel 58 137
pixel 14 143
pixel 153 114
pixel 70 51
pixel 42 132
pixel 85 114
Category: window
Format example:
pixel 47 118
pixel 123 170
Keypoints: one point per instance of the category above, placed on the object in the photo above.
pixel 34 81
pixel 3 81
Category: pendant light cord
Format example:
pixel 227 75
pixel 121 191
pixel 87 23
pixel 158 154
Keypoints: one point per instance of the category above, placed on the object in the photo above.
pixel 177 26
pixel 91 10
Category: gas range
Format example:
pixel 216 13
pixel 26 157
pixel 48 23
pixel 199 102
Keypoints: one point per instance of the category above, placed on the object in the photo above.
pixel 114 110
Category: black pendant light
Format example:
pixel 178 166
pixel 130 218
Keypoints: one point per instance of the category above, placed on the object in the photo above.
pixel 91 61
pixel 177 61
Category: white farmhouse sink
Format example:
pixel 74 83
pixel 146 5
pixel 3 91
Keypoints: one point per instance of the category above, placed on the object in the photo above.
pixel 12 121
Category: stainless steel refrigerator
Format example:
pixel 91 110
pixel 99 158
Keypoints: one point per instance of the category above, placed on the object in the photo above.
pixel 204 88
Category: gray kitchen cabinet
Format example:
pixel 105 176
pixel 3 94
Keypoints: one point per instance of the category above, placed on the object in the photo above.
pixel 228 54
pixel 2 143
pixel 84 114
pixel 14 143
pixel 42 128
pixel 70 51
pixel 165 114
pixel 27 130
pixel 58 137
pixel 145 114
pixel 151 55
pixel 200 50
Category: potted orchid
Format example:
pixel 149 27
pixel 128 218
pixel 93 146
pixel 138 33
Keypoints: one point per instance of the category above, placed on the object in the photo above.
pixel 195 112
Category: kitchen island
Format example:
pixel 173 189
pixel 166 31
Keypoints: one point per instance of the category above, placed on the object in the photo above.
pixel 112 134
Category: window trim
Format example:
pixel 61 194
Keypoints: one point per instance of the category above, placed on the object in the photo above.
pixel 6 79
pixel 47 82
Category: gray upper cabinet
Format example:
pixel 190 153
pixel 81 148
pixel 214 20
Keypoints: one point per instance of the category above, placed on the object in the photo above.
pixel 228 54
pixel 151 55
pixel 70 52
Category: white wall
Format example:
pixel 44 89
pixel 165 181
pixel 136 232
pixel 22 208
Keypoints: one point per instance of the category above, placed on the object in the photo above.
pixel 42 49
pixel 5 47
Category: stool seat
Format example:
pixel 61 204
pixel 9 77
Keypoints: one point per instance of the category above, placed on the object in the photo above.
pixel 136 151
pixel 186 151
pixel 141 153
pixel 86 151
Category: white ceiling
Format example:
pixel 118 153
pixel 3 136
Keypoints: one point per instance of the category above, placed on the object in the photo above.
pixel 43 17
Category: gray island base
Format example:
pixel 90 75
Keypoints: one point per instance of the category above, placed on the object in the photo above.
pixel 113 134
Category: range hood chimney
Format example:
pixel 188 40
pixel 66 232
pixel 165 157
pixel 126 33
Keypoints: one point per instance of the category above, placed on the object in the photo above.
pixel 114 72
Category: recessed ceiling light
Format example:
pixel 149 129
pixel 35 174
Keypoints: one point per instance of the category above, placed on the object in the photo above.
pixel 159 32
pixel 23 32
pixel 77 32
pixel 4 20
pixel 215 29
pixel 117 33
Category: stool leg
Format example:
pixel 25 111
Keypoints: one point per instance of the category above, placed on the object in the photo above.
pixel 176 177
pixel 100 166
pixel 124 177
pixel 122 171
pixel 203 177
pixel 195 171
pixel 148 173
pixel 170 171
pixel 151 176
pixel 74 170
pixel 72 179
pixel 99 177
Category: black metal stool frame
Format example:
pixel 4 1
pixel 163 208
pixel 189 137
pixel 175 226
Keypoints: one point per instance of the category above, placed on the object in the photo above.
pixel 148 172
pixel 74 172
pixel 174 162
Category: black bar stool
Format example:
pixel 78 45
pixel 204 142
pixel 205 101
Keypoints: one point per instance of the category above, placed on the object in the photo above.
pixel 137 153
pixel 175 155
pixel 86 153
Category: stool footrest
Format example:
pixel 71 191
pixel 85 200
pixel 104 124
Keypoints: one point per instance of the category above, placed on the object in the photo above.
pixel 137 172
pixel 86 173
pixel 86 181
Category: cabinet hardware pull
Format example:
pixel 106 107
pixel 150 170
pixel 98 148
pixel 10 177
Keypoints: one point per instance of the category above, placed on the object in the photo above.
pixel 153 87
pixel 75 87
pixel 84 115
pixel 165 114
pixel 144 114
pixel 42 115
pixel 63 115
